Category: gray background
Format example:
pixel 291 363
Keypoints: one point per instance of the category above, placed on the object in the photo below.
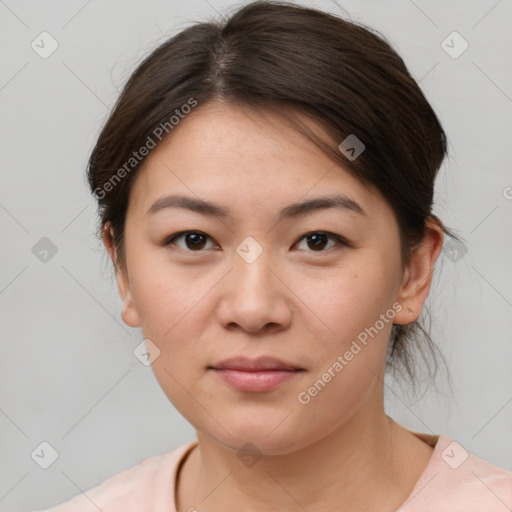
pixel 68 373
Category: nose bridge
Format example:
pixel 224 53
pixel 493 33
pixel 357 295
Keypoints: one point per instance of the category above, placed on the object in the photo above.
pixel 252 279
pixel 253 296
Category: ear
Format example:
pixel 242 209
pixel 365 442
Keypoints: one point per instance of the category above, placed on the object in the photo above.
pixel 129 313
pixel 418 274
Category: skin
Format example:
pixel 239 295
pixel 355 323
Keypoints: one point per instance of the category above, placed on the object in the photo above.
pixel 294 302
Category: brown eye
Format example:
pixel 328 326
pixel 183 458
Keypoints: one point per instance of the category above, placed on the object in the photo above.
pixel 193 241
pixel 317 241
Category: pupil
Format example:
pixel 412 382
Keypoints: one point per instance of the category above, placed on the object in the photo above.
pixel 194 240
pixel 319 241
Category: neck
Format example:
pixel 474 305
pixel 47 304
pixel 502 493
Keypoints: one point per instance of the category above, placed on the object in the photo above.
pixel 367 463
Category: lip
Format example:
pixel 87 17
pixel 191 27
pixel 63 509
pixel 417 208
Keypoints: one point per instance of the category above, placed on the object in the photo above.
pixel 255 381
pixel 247 364
pixel 255 375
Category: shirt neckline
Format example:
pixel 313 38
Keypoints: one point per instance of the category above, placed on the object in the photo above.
pixel 438 442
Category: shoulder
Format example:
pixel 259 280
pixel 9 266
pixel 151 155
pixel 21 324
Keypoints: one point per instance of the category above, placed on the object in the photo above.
pixel 137 488
pixel 456 480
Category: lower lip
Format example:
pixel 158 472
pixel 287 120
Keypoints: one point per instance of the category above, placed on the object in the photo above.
pixel 257 381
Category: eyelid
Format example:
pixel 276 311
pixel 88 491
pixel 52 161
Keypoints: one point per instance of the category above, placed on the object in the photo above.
pixel 341 241
pixel 170 239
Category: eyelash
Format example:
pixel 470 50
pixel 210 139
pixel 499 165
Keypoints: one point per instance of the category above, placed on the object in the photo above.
pixel 340 240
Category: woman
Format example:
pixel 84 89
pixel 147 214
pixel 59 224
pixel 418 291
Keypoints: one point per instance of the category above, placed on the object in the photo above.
pixel 265 188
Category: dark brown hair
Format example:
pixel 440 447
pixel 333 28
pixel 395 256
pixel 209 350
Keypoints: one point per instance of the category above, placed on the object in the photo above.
pixel 287 59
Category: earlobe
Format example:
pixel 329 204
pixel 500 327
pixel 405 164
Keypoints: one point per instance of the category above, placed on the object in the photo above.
pixel 418 274
pixel 129 312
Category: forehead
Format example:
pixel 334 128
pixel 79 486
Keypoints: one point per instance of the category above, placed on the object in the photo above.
pixel 243 156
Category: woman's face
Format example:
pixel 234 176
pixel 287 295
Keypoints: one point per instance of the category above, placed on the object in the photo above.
pixel 253 282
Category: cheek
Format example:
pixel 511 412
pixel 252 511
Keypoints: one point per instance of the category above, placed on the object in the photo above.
pixel 174 307
pixel 171 311
pixel 167 296
pixel 354 299
pixel 350 360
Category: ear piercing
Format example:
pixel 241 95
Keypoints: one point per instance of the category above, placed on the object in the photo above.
pixel 411 311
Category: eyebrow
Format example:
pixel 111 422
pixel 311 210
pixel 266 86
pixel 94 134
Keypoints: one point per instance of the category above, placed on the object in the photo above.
pixel 294 210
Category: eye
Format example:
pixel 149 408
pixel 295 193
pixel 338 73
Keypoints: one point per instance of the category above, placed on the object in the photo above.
pixel 194 241
pixel 318 240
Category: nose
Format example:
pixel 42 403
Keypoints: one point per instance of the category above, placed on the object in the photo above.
pixel 254 297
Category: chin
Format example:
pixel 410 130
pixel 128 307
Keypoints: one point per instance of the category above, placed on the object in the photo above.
pixel 267 437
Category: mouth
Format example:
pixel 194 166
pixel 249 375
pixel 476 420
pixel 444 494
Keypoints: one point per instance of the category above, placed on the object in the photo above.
pixel 255 365
pixel 255 375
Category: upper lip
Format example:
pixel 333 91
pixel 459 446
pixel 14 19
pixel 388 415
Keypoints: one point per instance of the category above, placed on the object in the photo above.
pixel 260 363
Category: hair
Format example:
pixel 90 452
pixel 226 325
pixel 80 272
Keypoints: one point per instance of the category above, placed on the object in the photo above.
pixel 294 61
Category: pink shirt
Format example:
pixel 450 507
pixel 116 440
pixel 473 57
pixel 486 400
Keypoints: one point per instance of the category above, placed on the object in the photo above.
pixel 453 481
